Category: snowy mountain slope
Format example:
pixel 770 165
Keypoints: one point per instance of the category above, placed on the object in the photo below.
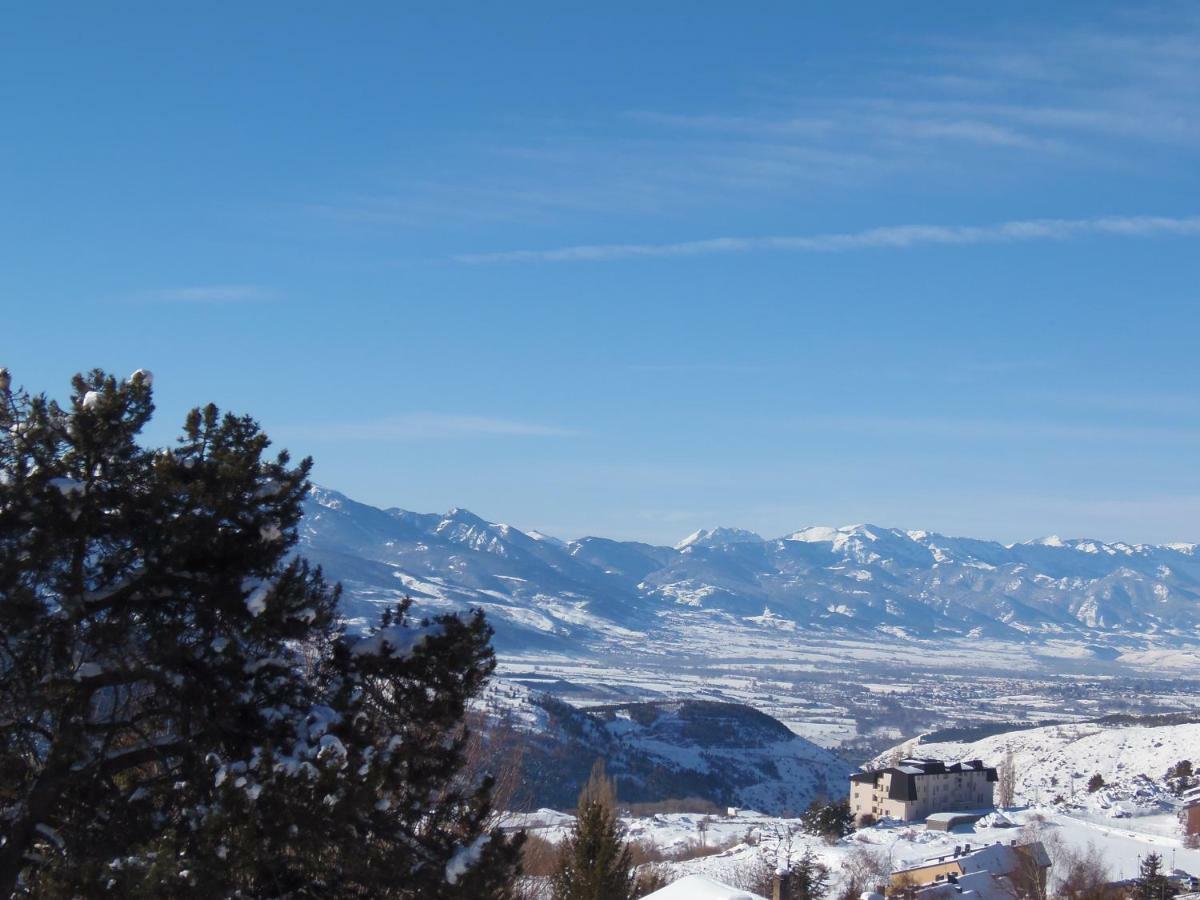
pixel 1058 760
pixel 534 590
pixel 725 753
pixel 713 537
pixel 546 593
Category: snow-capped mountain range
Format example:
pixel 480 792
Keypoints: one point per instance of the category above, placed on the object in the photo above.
pixel 543 592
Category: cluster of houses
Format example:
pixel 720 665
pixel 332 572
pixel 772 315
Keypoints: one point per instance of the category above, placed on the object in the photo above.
pixel 991 872
pixel 943 796
pixel 995 871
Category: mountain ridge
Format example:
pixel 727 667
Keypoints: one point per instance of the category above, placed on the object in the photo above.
pixel 542 591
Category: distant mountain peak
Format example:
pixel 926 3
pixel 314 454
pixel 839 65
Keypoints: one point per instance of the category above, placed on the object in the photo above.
pixel 326 496
pixel 546 538
pixel 825 534
pixel 1050 540
pixel 462 517
pixel 710 537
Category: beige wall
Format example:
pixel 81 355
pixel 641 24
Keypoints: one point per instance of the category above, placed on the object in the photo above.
pixel 935 793
pixel 926 874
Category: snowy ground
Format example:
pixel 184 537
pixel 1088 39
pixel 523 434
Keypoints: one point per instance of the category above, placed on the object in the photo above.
pixel 752 840
pixel 1057 761
pixel 1131 816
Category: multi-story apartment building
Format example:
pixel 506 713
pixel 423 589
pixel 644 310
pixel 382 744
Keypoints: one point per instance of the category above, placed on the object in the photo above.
pixel 917 788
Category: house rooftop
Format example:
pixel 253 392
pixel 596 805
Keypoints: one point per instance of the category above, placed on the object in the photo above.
pixel 973 886
pixel 700 887
pixel 996 858
pixel 925 766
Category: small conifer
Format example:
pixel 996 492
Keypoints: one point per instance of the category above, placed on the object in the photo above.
pixel 595 861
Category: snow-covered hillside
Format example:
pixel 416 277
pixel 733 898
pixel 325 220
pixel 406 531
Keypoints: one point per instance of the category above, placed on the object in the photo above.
pixel 1059 760
pixel 723 753
pixel 541 592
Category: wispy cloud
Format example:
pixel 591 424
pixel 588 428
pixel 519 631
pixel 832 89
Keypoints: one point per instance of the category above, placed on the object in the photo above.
pixel 895 236
pixel 687 368
pixel 211 293
pixel 1025 106
pixel 949 428
pixel 423 426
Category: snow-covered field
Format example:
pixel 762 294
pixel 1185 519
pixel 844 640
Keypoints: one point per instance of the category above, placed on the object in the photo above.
pixel 859 697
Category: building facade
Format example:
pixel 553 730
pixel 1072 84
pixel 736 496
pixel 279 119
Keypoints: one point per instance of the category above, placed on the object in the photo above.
pixel 1191 812
pixel 993 870
pixel 917 788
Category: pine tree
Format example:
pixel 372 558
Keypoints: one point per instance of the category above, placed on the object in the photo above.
pixel 829 819
pixel 595 862
pixel 180 714
pixel 1152 883
pixel 806 879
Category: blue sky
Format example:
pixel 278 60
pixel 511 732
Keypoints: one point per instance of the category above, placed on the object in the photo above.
pixel 592 269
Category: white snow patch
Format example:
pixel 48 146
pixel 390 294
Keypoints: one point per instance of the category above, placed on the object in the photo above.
pixel 256 602
pixel 399 641
pixel 465 857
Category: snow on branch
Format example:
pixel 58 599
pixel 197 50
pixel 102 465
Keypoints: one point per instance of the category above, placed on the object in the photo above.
pixel 397 641
pixel 465 857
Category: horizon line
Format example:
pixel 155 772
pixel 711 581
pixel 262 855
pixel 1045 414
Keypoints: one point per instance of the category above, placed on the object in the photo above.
pixel 1042 540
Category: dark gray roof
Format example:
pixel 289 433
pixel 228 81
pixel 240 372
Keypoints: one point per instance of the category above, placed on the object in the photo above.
pixel 909 769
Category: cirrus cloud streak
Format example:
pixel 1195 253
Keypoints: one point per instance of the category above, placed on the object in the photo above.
pixel 420 426
pixel 894 236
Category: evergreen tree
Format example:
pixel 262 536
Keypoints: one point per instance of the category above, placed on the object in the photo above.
pixel 1151 882
pixel 180 714
pixel 806 879
pixel 829 819
pixel 1180 777
pixel 1095 783
pixel 595 862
